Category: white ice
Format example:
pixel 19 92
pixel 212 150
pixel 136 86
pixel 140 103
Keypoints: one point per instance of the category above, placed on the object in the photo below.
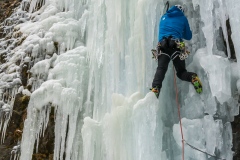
pixel 91 61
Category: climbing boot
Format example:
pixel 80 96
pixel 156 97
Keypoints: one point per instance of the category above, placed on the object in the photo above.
pixel 197 84
pixel 156 91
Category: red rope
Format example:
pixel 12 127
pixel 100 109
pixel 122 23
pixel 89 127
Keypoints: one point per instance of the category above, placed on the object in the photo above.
pixel 179 114
pixel 180 121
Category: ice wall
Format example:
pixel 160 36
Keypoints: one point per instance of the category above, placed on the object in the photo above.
pixel 90 60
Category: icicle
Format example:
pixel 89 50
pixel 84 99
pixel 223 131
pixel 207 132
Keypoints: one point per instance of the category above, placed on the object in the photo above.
pixel 15 153
pixel 5 115
pixel 33 5
pixel 42 122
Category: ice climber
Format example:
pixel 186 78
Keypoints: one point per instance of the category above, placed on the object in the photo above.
pixel 173 28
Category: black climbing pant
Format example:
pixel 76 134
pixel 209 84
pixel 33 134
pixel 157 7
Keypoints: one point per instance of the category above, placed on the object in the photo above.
pixel 163 61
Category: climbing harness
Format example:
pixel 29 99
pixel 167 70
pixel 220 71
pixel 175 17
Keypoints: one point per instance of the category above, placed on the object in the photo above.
pixel 183 53
pixel 174 55
pixel 180 122
pixel 157 52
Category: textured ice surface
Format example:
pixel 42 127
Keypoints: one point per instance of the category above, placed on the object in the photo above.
pixel 90 60
pixel 219 73
pixel 128 132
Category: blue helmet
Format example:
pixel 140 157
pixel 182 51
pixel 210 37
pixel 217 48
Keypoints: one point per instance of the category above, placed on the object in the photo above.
pixel 180 7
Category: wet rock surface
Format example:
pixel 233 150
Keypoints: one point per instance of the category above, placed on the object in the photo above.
pixel 19 113
pixel 46 144
pixel 7 7
pixel 14 130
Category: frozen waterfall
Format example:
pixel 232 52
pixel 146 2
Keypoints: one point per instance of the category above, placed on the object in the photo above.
pixel 90 62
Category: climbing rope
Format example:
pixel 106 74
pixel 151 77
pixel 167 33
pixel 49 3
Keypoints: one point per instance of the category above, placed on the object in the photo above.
pixel 180 121
pixel 202 151
pixel 179 113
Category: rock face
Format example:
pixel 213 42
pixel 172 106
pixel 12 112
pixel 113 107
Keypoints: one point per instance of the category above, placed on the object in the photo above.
pixel 7 7
pixel 46 144
pixel 14 130
pixel 19 113
pixel 15 126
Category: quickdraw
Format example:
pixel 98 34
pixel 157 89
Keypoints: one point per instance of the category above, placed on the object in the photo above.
pixel 183 56
pixel 155 54
pixel 184 52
